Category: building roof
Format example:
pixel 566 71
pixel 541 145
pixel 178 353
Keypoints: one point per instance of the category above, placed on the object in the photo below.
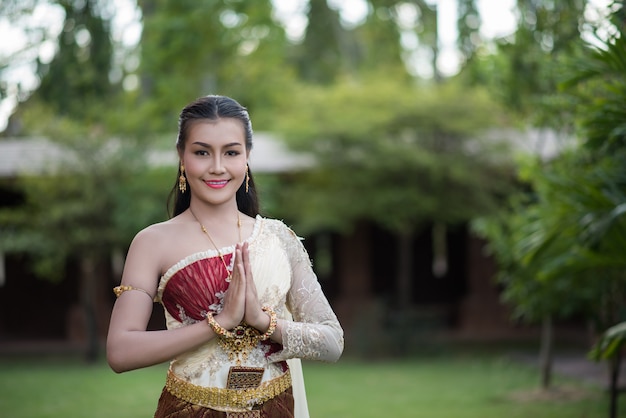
pixel 269 154
pixel 37 155
pixel 29 155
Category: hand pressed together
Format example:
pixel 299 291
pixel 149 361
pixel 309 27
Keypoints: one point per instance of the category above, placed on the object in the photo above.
pixel 241 303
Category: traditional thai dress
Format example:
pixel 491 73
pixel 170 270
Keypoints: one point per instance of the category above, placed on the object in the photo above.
pixel 244 377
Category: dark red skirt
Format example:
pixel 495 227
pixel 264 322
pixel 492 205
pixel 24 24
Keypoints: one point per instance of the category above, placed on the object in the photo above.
pixel 170 406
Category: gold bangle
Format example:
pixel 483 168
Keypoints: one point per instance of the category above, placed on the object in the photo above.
pixel 273 322
pixel 118 290
pixel 217 328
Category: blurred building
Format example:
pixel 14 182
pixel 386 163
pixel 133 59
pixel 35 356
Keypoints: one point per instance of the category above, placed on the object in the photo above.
pixel 453 292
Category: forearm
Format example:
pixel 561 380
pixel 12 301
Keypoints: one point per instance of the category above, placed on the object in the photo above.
pixel 322 341
pixel 135 349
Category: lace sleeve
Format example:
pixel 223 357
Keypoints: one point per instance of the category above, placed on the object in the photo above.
pixel 315 332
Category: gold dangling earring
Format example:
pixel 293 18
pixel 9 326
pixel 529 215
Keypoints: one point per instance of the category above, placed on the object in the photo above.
pixel 182 181
pixel 247 178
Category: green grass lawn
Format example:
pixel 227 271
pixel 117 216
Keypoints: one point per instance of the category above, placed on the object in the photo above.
pixel 429 387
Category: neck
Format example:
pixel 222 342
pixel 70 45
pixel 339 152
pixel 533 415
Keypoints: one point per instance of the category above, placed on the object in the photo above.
pixel 219 227
pixel 225 213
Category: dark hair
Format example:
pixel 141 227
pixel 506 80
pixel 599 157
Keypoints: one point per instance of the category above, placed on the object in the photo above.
pixel 213 108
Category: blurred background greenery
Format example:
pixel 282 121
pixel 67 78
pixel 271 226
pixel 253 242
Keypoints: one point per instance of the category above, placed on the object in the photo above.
pixel 450 165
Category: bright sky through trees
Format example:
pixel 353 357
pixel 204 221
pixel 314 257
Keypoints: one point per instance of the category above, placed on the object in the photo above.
pixel 498 19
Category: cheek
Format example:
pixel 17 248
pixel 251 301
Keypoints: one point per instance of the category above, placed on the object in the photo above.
pixel 194 165
pixel 239 165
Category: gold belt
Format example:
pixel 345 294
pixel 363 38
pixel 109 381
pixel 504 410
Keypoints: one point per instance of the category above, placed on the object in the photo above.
pixel 227 399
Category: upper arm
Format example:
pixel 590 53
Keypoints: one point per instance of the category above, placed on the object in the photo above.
pixel 142 268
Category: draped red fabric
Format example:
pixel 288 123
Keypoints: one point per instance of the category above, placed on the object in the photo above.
pixel 195 287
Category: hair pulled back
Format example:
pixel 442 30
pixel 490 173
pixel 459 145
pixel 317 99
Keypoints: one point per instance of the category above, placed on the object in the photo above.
pixel 213 108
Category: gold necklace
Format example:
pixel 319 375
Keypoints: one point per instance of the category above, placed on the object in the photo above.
pixel 230 275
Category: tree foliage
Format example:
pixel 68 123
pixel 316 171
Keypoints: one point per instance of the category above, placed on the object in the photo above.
pixel 402 156
pixel 190 49
pixel 468 26
pixel 88 201
pixel 560 244
pixel 527 66
pixel 569 231
pixel 328 50
pixel 79 73
pixel 76 81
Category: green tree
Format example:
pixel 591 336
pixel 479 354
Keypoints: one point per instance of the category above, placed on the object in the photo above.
pixel 569 232
pixel 332 51
pixel 328 49
pixel 402 158
pixel 79 73
pixel 66 215
pixel 86 205
pixel 190 49
pixel 609 348
pixel 468 26
pixel 524 69
pixel 600 78
pixel 549 264
pixel 76 81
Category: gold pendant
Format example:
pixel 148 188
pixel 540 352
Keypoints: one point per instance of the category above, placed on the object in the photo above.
pixel 245 339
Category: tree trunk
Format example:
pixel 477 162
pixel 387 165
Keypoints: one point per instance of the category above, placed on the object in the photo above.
pixel 545 355
pixel 405 270
pixel 436 71
pixel 615 365
pixel 88 282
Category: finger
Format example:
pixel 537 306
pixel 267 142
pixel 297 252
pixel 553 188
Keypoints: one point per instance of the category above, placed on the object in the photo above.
pixel 245 253
pixel 236 287
pixel 248 266
pixel 238 266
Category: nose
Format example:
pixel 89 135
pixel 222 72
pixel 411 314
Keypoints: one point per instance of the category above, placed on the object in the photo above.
pixel 217 166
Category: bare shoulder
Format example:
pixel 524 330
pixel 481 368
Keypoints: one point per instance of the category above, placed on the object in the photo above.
pixel 152 235
pixel 154 241
pixel 161 230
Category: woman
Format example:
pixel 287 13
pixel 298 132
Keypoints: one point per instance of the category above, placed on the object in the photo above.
pixel 242 304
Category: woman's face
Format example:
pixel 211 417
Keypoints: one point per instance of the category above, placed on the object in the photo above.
pixel 215 159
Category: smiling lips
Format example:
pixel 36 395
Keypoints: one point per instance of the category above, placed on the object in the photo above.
pixel 216 184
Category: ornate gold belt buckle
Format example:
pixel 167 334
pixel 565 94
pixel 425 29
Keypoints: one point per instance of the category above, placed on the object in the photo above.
pixel 240 377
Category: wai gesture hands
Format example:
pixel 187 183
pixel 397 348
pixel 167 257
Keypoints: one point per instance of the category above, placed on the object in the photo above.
pixel 241 303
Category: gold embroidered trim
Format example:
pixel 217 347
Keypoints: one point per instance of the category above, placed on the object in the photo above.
pixel 225 399
pixel 244 414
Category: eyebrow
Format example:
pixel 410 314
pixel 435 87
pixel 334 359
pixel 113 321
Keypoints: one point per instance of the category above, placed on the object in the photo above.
pixel 229 145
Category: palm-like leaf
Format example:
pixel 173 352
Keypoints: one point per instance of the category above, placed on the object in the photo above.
pixel 601 76
pixel 611 342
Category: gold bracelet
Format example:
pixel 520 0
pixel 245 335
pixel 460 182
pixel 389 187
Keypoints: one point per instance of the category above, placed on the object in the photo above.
pixel 273 322
pixel 219 330
pixel 118 290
